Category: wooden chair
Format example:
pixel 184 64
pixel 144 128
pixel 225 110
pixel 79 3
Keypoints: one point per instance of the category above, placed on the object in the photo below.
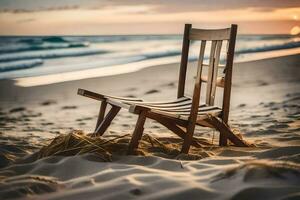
pixel 184 113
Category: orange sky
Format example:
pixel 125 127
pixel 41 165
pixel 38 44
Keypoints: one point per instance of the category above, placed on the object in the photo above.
pixel 144 18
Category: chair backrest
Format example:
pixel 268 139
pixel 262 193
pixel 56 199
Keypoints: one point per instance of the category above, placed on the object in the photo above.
pixel 217 37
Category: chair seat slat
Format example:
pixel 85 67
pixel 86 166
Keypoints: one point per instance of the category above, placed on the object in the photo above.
pixel 215 73
pixel 200 112
pixel 171 105
pixel 200 109
pixel 163 103
pixel 98 96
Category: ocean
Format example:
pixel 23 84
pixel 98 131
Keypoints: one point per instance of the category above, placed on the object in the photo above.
pixel 56 55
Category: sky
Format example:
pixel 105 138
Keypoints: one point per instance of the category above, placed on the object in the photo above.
pixel 117 17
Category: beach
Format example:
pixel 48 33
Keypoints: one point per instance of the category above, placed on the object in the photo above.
pixel 265 109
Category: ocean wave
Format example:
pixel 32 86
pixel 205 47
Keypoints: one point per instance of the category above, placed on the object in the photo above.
pixel 124 38
pixel 54 39
pixel 39 40
pixel 15 49
pixel 265 37
pixel 40 43
pixel 129 48
pixel 17 65
pixel 287 45
pixel 57 53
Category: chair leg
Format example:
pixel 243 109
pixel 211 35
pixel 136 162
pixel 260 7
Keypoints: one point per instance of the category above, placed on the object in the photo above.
pixel 107 121
pixel 137 133
pixel 101 114
pixel 226 133
pixel 223 140
pixel 177 130
pixel 188 138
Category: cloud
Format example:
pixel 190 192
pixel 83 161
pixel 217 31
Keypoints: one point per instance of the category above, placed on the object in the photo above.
pixel 18 6
pixel 205 5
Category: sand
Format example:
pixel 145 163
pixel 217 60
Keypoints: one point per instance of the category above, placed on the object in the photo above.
pixel 265 108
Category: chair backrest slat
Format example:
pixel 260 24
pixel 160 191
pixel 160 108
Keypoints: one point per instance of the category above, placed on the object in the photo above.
pixel 203 34
pixel 213 75
pixel 197 88
pixel 200 62
pixel 210 70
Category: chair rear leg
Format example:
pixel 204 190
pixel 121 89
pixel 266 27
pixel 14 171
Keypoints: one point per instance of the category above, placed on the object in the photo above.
pixel 137 133
pixel 226 133
pixel 107 120
pixel 223 141
pixel 101 114
pixel 177 130
pixel 188 138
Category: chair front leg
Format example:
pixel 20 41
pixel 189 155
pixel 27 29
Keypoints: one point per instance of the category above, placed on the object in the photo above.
pixel 226 133
pixel 137 133
pixel 101 113
pixel 188 137
pixel 107 120
pixel 223 140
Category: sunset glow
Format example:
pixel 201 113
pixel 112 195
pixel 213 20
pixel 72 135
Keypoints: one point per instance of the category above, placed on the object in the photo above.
pixel 295 30
pixel 143 18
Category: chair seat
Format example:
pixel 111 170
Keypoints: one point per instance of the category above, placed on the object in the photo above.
pixel 179 108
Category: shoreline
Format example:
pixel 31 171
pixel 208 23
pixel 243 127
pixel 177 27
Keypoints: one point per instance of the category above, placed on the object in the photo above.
pixel 113 84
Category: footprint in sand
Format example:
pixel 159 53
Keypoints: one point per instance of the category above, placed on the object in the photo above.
pixel 130 96
pixel 84 119
pixel 7 119
pixel 68 107
pixel 19 109
pixel 132 89
pixel 263 83
pixel 171 84
pixel 270 104
pixel 56 132
pixel 241 105
pixel 48 102
pixel 30 128
pixel 152 91
pixel 26 119
pixel 47 123
pixel 136 192
pixel 31 115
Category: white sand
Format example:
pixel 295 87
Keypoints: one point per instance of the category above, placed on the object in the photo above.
pixel 265 108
